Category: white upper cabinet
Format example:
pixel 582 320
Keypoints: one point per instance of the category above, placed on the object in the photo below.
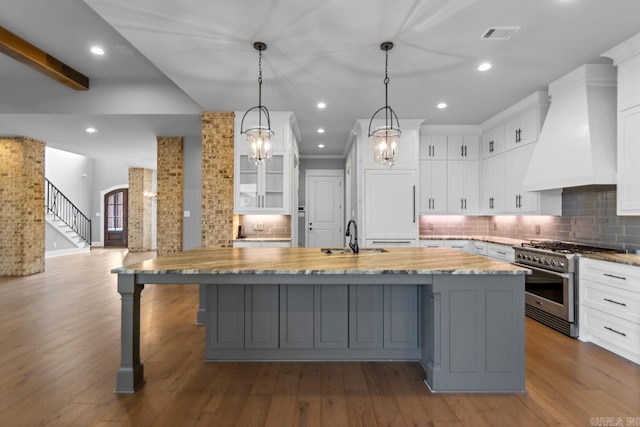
pixel 433 147
pixel 523 128
pixel 433 186
pixel 626 56
pixel 461 147
pixel 494 141
pixel 463 187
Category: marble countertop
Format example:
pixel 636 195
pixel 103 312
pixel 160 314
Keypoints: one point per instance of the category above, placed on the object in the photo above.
pixel 313 261
pixel 490 239
pixel 628 259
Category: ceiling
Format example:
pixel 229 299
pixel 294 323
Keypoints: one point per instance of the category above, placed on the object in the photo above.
pixel 168 60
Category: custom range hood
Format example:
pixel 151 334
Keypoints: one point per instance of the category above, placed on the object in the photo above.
pixel 577 143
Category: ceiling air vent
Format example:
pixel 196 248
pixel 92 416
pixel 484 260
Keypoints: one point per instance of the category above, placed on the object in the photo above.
pixel 499 33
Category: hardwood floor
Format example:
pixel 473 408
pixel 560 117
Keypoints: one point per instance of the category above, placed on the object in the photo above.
pixel 59 352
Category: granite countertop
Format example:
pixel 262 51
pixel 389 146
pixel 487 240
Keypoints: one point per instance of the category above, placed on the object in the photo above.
pixel 263 239
pixel 313 261
pixel 490 239
pixel 629 259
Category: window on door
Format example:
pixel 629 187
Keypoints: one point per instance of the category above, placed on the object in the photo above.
pixel 115 212
pixel 115 221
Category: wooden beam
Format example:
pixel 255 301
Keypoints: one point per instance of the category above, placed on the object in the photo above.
pixel 28 54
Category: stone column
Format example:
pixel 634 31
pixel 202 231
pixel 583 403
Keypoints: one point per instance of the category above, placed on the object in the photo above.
pixel 217 179
pixel 139 222
pixel 170 194
pixel 22 206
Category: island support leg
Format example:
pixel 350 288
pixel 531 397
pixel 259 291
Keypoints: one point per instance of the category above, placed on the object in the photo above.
pixel 130 376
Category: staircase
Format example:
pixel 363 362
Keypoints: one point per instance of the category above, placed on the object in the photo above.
pixel 66 219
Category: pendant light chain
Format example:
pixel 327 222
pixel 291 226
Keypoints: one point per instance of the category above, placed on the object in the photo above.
pixel 386 87
pixel 260 86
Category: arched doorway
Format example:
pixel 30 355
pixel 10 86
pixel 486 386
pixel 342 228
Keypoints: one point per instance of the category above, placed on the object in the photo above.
pixel 115 219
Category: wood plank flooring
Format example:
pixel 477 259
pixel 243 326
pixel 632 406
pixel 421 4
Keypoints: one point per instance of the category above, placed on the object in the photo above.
pixel 59 352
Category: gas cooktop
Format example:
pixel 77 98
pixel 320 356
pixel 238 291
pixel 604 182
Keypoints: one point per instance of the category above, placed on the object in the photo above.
pixel 567 247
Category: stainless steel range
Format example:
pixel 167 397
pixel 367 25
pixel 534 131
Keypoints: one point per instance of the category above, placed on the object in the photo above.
pixel 551 290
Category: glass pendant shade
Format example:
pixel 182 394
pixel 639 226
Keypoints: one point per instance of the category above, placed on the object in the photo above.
pixel 386 141
pixel 259 145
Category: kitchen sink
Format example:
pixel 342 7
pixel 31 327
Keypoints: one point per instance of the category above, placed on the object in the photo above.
pixel 330 251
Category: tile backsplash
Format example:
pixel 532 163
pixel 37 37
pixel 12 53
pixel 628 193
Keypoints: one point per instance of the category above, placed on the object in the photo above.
pixel 273 226
pixel 588 216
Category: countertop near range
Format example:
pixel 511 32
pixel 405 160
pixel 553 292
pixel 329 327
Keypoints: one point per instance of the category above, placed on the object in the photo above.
pixel 490 239
pixel 308 261
pixel 628 259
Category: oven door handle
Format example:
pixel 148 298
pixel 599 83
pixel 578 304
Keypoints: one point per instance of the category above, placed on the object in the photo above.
pixel 555 273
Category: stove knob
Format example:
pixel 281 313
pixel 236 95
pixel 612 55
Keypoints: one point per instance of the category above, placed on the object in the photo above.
pixel 547 262
pixel 519 255
pixel 528 257
pixel 561 264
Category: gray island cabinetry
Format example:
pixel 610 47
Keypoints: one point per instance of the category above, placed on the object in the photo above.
pixel 460 315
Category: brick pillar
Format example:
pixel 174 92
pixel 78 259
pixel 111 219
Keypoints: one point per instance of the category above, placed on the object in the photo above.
pixel 170 194
pixel 21 206
pixel 217 179
pixel 139 222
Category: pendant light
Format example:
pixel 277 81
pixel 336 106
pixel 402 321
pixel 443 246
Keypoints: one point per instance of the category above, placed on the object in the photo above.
pixel 386 139
pixel 259 145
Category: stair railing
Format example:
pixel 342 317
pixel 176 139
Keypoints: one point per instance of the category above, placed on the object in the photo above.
pixel 59 205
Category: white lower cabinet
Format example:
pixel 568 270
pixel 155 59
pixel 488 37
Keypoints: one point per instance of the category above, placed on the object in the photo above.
pixel 610 306
pixel 479 248
pixel 391 243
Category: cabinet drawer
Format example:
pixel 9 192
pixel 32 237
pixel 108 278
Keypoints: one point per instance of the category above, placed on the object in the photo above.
pixel 428 243
pixel 612 300
pixel 620 336
pixel 501 252
pixel 613 274
pixel 396 243
pixel 459 245
pixel 479 248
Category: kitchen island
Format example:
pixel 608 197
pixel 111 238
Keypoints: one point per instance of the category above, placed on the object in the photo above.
pixel 460 315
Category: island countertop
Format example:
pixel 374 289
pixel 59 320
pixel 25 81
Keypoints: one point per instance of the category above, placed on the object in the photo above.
pixel 313 261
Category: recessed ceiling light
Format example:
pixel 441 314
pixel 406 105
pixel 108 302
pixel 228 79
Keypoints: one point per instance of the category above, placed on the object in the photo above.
pixel 92 130
pixel 320 145
pixel 320 130
pixel 322 105
pixel 485 66
pixel 442 105
pixel 97 50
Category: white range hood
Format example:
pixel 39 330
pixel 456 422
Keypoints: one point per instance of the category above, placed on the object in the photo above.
pixel 577 143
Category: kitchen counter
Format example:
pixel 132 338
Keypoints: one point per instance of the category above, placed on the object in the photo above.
pixel 263 239
pixel 628 259
pixel 460 315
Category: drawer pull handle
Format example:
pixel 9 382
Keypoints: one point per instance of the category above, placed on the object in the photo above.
pixel 501 253
pixel 615 302
pixel 614 276
pixel 613 330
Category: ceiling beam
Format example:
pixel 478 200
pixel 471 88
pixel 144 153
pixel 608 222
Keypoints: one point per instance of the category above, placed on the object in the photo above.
pixel 41 61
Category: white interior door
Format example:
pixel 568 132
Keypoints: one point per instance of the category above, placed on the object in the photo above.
pixel 324 195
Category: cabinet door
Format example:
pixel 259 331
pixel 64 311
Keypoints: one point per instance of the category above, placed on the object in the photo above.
pixel 530 126
pixel 517 162
pixel 493 141
pixel 296 316
pixel 463 187
pixel 262 188
pixel 455 186
pixel 400 316
pixel 248 179
pixel 365 319
pixel 433 147
pixel 463 147
pixel 433 186
pixel 331 319
pixel 493 184
pixel 261 316
pixel 390 204
pixel 628 193
pixel 225 316
pixel 274 191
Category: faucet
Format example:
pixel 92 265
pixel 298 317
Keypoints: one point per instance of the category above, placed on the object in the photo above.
pixel 353 238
